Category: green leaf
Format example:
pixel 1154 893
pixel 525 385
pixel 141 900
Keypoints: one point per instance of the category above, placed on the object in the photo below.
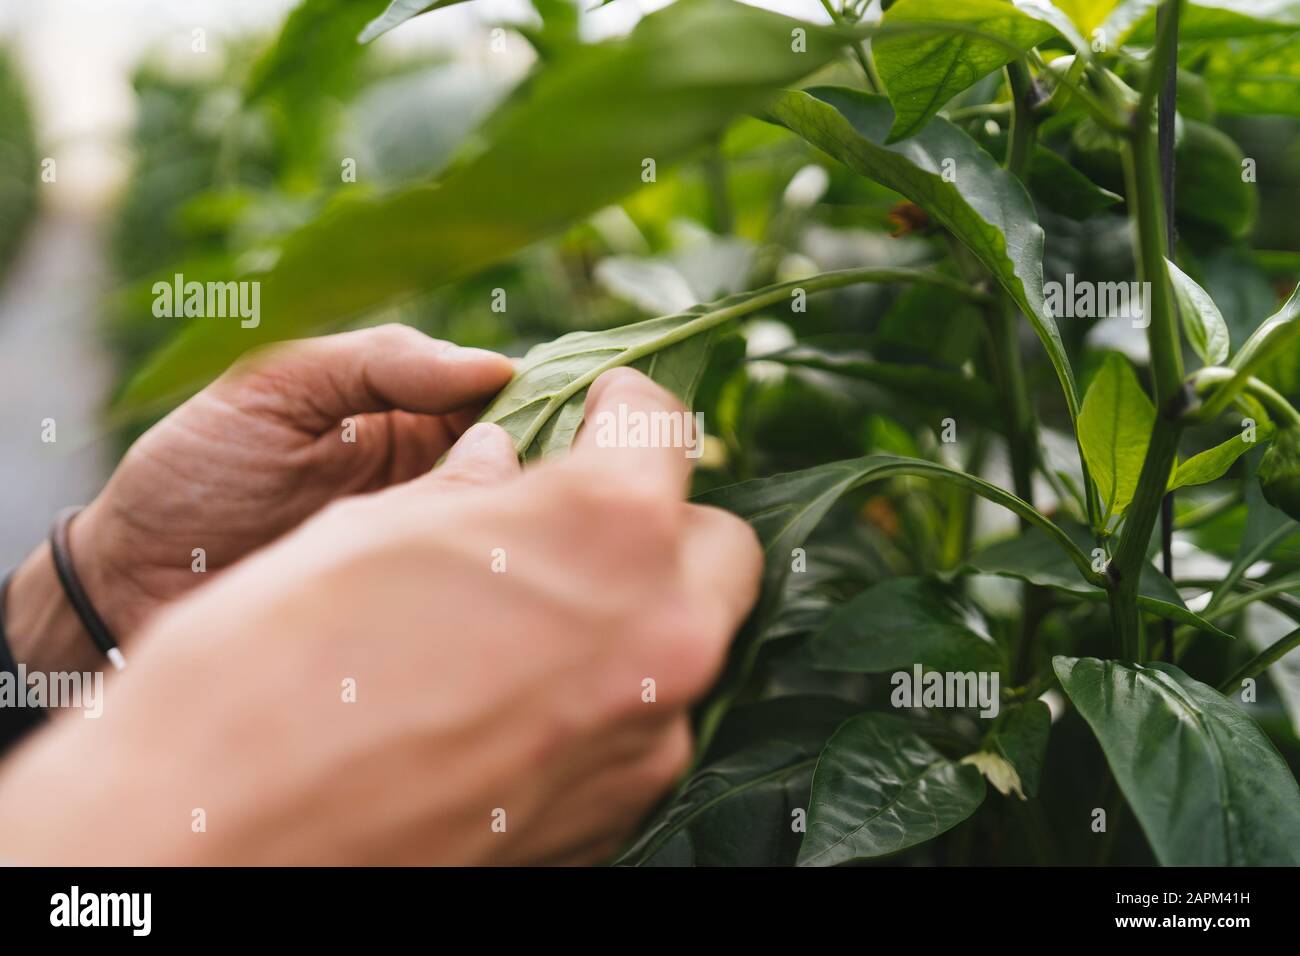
pixel 1260 75
pixel 1216 19
pixel 1020 738
pixel 935 387
pixel 1057 184
pixel 795 716
pixel 784 509
pixel 1087 15
pixel 306 55
pixel 1209 183
pixel 397 13
pixel 1207 786
pixel 880 788
pixel 737 809
pixel 923 71
pixel 1274 336
pixel 1213 463
pixel 1035 558
pixel 558 33
pixel 898 623
pixel 984 206
pixel 312 65
pixel 1202 320
pixel 669 87
pixel 1266 527
pixel 1114 430
pixel 1064 189
pixel 1279 471
pixel 542 406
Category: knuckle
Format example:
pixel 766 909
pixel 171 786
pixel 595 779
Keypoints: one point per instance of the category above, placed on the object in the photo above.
pixel 396 334
pixel 633 511
pixel 671 759
pixel 748 547
pixel 685 644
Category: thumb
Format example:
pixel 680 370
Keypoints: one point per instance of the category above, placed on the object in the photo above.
pixel 484 455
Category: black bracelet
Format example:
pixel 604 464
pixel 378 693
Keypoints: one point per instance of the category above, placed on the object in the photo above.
pixel 16 717
pixel 90 619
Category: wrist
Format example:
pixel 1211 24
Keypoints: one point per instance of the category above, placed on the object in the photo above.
pixel 44 630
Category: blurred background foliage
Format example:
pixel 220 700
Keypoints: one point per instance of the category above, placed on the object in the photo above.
pixel 226 163
pixel 18 161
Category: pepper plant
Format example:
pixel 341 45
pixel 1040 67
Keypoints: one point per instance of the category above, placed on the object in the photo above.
pixel 860 412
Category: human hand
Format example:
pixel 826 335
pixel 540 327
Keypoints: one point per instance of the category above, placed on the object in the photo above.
pixel 263 448
pixel 496 628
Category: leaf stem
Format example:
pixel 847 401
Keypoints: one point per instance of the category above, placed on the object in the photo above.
pixel 1215 380
pixel 1167 17
pixel 1020 143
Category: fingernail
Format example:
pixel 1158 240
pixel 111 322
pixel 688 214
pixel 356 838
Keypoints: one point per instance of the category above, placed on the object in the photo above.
pixel 461 353
pixel 475 438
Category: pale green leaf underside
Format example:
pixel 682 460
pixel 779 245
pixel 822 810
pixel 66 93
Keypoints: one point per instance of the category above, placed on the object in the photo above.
pixel 1206 784
pixel 542 407
pixel 398 12
pixel 1206 330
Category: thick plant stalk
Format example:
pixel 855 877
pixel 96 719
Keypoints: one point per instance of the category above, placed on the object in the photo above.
pixel 1021 432
pixel 1146 197
pixel 1167 18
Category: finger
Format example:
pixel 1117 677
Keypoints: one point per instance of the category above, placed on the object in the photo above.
pixel 484 455
pixel 722 562
pixel 319 381
pixel 636 432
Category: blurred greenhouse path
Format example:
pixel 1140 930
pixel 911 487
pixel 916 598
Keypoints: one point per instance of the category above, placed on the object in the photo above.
pixel 52 367
pixel 76 57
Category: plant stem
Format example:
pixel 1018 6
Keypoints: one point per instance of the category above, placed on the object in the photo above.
pixel 1167 18
pixel 864 59
pixel 1146 198
pixel 1010 373
pixel 1022 446
pixel 978 111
